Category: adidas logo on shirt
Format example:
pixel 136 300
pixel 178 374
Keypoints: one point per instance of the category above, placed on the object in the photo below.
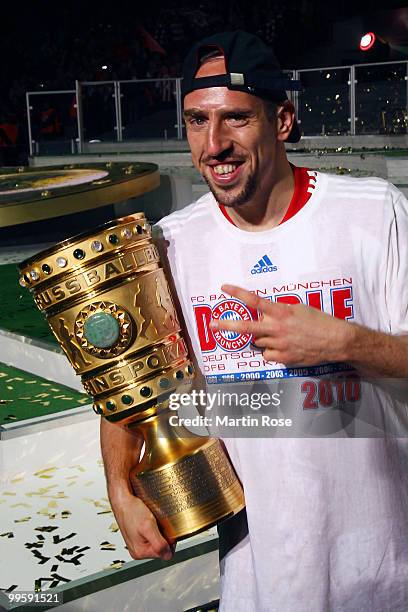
pixel 263 265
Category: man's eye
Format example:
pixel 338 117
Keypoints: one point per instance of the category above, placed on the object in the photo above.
pixel 196 121
pixel 237 119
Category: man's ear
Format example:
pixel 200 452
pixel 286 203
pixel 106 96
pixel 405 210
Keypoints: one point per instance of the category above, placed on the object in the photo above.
pixel 285 117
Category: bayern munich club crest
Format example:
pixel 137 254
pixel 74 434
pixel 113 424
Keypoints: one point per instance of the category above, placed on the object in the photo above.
pixel 235 311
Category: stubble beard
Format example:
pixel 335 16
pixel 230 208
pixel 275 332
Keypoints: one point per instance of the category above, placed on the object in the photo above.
pixel 228 198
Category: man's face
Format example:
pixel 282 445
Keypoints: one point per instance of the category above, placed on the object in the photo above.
pixel 232 141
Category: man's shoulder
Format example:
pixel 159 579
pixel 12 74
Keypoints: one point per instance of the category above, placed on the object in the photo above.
pixel 373 193
pixel 181 220
pixel 346 185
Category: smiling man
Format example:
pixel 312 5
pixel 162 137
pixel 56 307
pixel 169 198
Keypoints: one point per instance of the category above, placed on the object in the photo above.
pixel 318 269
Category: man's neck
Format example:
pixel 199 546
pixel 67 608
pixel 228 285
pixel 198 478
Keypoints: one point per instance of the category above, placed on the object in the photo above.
pixel 266 212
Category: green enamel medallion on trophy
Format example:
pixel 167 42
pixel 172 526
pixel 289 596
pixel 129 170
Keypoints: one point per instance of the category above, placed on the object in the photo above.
pixel 102 330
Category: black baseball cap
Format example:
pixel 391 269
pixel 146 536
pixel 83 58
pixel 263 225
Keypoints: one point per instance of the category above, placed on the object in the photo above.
pixel 251 67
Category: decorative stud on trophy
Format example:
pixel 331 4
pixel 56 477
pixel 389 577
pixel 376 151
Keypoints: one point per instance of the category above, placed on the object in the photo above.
pixel 107 301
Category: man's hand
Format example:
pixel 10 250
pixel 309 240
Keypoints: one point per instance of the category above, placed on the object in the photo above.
pixel 139 529
pixel 121 449
pixel 290 334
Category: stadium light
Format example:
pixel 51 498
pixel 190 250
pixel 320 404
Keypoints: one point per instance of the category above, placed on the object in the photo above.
pixel 367 41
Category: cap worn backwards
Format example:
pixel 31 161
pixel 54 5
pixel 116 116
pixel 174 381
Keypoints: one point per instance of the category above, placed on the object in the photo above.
pixel 251 67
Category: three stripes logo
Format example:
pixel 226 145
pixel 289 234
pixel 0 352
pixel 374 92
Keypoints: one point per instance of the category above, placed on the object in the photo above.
pixel 263 265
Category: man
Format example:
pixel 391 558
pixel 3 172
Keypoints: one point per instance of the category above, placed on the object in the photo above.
pixel 327 517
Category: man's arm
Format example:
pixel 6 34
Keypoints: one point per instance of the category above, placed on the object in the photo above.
pixel 301 335
pixel 120 453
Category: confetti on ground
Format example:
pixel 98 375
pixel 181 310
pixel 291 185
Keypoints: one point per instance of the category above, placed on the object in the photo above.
pixel 30 396
pixel 42 558
pixel 42 491
pixel 48 472
pixel 57 539
pixel 10 588
pixel 44 552
pixel 23 520
pixel 115 565
pixel 75 560
pixel 47 528
pixel 107 546
pixel 78 467
pixel 30 545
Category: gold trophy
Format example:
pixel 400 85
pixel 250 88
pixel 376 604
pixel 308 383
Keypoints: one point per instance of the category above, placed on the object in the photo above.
pixel 107 301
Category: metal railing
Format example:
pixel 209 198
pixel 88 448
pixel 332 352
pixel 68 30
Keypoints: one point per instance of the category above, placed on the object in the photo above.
pixel 353 100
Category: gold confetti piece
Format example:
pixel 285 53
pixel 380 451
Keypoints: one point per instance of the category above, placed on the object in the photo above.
pixel 17 479
pixel 78 467
pixel 107 546
pixel 98 504
pixel 7 534
pixel 21 505
pixel 25 519
pixel 9 493
pixel 41 491
pixel 52 504
pixel 65 513
pixel 43 511
pixel 45 471
pixel 59 495
pixel 46 476
pixel 105 512
pixel 75 476
pixel 113 527
pixel 115 565
pixel 89 483
pixel 46 528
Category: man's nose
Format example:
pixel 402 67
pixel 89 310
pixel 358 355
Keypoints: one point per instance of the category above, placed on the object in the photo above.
pixel 218 138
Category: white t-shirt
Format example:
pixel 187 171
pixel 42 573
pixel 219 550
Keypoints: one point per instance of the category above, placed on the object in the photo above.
pixel 327 516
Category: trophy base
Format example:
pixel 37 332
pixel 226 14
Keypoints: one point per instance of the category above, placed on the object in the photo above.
pixel 191 491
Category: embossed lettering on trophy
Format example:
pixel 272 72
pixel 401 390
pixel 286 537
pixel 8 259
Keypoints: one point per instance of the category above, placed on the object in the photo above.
pixel 107 301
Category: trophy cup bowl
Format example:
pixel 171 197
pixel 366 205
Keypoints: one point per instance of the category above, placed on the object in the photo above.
pixel 108 303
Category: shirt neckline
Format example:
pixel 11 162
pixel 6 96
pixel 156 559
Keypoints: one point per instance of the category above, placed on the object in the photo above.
pixel 304 184
pixel 319 181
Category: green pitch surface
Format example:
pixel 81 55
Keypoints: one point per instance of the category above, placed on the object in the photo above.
pixel 25 396
pixel 18 312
